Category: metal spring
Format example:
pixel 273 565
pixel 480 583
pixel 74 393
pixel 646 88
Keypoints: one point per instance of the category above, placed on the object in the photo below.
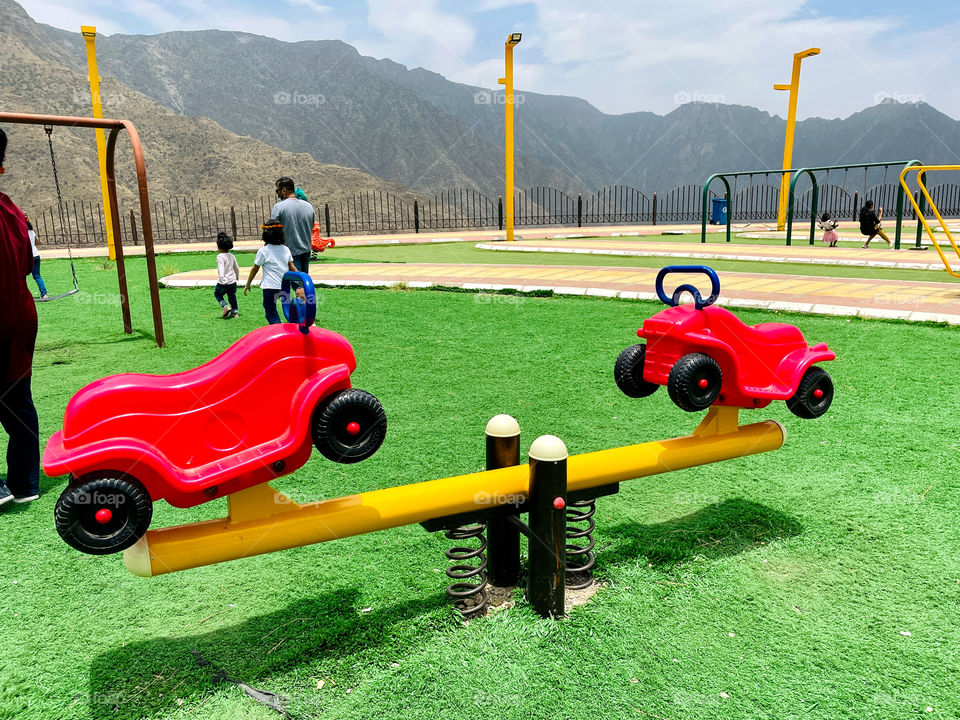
pixel 470 580
pixel 580 558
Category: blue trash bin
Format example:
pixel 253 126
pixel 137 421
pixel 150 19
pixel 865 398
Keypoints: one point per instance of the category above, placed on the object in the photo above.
pixel 718 214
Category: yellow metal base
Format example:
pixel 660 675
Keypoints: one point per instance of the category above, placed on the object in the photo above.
pixel 262 520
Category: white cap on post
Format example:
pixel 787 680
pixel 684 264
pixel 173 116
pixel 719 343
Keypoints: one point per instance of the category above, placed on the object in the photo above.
pixel 503 426
pixel 548 448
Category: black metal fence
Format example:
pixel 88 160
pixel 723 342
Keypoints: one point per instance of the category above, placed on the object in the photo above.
pixel 181 219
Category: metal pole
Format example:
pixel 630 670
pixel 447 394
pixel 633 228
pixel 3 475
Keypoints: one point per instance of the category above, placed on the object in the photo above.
pixel 507 82
pixel 579 210
pixel 416 216
pixel 503 538
pixel 326 218
pixel 548 526
pixel 922 204
pixel 654 208
pixel 90 39
pixel 793 88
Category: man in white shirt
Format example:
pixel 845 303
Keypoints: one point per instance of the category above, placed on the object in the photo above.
pixel 297 217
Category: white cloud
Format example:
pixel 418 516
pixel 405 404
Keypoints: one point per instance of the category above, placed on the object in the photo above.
pixel 623 56
pixel 417 33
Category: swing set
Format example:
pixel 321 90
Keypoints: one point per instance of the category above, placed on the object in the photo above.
pixel 835 192
pixel 48 122
pixel 56 181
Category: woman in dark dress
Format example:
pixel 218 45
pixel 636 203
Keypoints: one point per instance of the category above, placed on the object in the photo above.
pixel 18 334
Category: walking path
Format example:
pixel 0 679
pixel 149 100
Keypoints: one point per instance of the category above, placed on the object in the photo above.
pixel 888 299
pixel 398 239
pixel 817 255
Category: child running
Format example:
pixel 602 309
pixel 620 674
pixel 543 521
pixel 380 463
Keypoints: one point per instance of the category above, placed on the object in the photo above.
pixel 275 259
pixel 829 227
pixel 228 272
pixel 36 262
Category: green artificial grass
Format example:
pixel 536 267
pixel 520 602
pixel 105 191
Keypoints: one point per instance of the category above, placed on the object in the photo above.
pixel 469 253
pixel 818 581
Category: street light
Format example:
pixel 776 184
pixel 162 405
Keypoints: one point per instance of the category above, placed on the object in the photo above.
pixel 507 82
pixel 793 88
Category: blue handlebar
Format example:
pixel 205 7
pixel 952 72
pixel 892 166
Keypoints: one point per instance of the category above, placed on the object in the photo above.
pixel 698 301
pixel 297 310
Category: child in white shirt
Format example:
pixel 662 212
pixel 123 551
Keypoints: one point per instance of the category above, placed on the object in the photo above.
pixel 228 271
pixel 275 259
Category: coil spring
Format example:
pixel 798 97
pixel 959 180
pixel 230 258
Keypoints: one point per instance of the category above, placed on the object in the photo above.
pixel 580 558
pixel 470 581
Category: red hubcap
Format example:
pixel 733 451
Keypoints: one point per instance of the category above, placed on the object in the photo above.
pixel 818 393
pixel 103 516
pixel 353 428
pixel 702 383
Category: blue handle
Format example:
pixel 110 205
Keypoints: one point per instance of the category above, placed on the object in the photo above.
pixel 295 310
pixel 698 301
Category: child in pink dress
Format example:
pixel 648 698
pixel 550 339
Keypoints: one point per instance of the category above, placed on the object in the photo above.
pixel 829 227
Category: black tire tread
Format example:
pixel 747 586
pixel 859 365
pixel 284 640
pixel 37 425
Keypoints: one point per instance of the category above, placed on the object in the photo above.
pixel 799 403
pixel 628 372
pixel 322 426
pixel 138 503
pixel 681 376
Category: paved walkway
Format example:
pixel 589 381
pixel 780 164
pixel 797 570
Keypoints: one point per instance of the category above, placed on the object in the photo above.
pixel 401 239
pixel 817 255
pixel 889 299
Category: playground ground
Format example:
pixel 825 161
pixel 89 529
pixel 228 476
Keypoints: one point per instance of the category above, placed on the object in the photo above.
pixel 817 581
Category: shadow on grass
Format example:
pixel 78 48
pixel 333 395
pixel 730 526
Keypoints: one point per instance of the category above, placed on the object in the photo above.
pixel 715 531
pixel 147 679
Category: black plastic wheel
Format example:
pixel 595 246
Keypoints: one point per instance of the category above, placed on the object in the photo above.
pixel 349 426
pixel 694 382
pixel 103 513
pixel 814 394
pixel 628 373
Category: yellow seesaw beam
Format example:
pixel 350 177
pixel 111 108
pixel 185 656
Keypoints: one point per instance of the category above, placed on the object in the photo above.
pixel 262 520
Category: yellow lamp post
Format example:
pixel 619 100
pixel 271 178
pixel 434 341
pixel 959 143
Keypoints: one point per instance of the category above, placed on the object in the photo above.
pixel 93 75
pixel 794 88
pixel 507 83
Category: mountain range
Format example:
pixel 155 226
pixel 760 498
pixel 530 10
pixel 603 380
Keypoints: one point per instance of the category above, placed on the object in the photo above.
pixel 228 97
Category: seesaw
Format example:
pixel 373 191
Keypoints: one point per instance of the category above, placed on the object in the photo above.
pixel 262 520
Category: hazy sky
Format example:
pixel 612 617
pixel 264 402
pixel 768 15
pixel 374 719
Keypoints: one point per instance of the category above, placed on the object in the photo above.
pixel 619 55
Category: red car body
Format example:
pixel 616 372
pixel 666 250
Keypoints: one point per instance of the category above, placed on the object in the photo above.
pixel 239 420
pixel 759 363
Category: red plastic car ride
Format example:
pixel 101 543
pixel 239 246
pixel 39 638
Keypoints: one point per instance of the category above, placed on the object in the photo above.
pixel 705 355
pixel 250 415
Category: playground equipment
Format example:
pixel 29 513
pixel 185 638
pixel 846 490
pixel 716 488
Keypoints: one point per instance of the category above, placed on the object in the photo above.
pixel 56 182
pixel 763 200
pixel 705 355
pixel 918 206
pixel 556 491
pixel 130 440
pixel 115 126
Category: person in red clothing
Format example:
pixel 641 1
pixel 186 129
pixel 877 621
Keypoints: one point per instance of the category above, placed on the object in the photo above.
pixel 18 334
